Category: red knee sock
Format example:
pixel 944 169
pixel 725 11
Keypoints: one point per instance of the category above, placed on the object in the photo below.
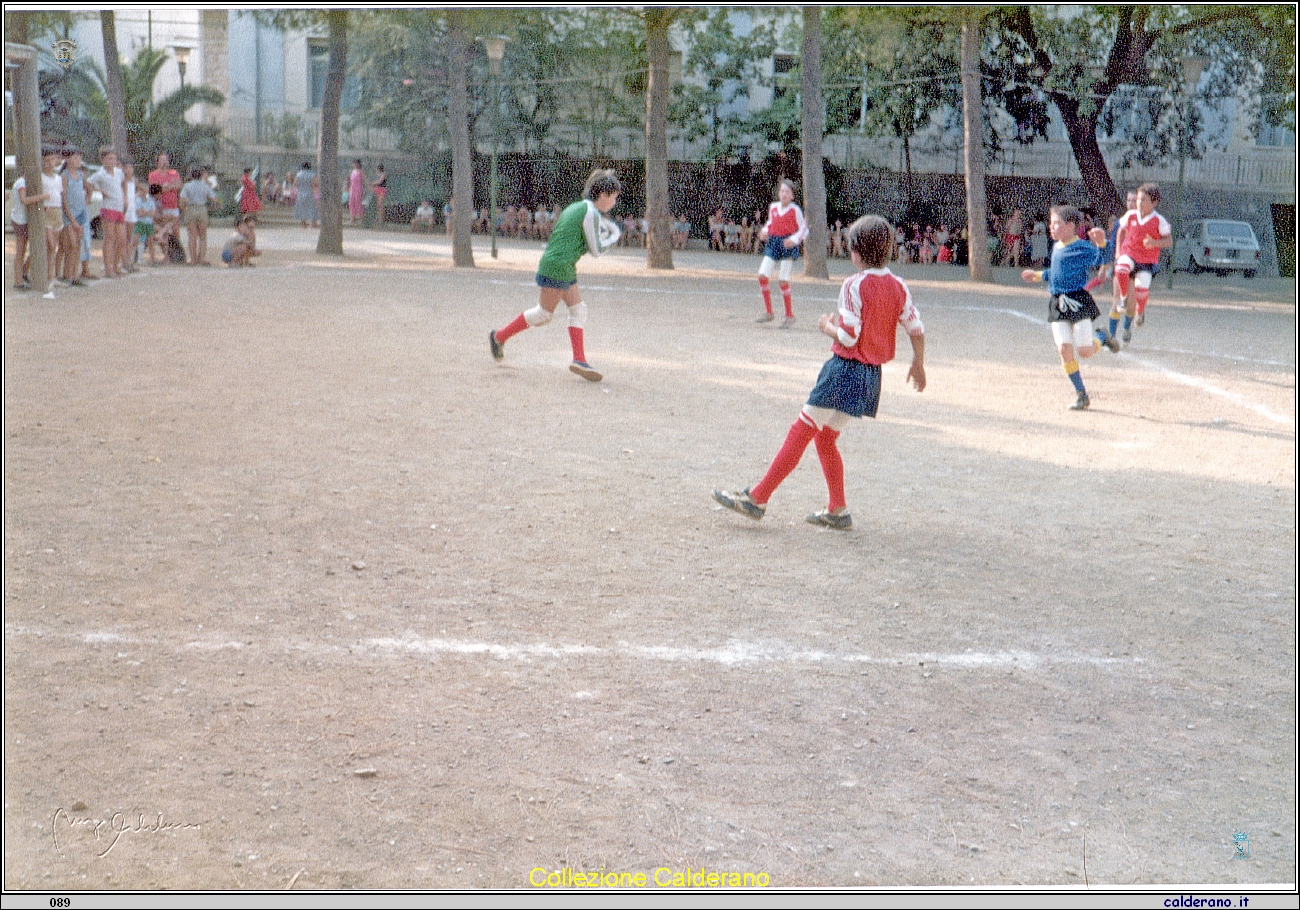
pixel 1140 296
pixel 832 467
pixel 801 433
pixel 504 335
pixel 785 296
pixel 765 287
pixel 1121 281
pixel 575 339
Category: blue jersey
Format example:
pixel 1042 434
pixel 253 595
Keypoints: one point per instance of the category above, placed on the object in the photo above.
pixel 1071 266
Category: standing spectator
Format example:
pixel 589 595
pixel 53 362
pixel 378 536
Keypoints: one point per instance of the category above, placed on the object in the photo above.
pixel 195 196
pixel 304 210
pixel 146 206
pixel 75 242
pixel 271 188
pixel 356 192
pixel 55 209
pixel 249 202
pixel 381 193
pixel 111 182
pixel 18 215
pixel 1015 238
pixel 449 213
pixel 169 208
pixel 128 240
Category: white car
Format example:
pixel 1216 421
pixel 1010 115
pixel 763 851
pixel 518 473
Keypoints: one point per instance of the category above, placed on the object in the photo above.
pixel 1220 247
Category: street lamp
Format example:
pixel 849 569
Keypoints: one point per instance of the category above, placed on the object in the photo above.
pixel 496 52
pixel 1192 69
pixel 182 59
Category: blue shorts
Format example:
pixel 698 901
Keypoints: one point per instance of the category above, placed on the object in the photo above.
pixel 544 282
pixel 847 385
pixel 775 248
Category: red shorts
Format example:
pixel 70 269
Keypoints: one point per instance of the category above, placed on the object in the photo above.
pixel 381 191
pixel 111 216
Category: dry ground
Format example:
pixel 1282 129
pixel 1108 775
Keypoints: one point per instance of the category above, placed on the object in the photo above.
pixel 291 563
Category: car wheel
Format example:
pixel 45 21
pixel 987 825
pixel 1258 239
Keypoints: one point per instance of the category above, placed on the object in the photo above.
pixel 1193 266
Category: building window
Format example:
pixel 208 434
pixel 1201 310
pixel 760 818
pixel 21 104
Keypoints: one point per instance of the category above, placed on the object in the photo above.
pixel 318 64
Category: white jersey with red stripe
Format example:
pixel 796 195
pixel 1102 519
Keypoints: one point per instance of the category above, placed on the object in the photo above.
pixel 1136 229
pixel 785 223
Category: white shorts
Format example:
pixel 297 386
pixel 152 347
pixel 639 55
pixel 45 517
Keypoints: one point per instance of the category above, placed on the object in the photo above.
pixel 1142 271
pixel 1078 333
pixel 769 265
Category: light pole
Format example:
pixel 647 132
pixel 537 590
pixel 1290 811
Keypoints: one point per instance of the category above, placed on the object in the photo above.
pixel 1192 67
pixel 496 52
pixel 182 59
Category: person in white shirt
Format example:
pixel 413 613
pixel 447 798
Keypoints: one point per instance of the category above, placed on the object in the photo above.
pixel 111 182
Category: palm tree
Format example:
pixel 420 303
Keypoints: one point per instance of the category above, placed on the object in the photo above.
pixel 75 109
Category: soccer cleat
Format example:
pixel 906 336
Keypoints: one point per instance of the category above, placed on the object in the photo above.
pixel 789 321
pixel 1109 341
pixel 766 317
pixel 498 349
pixel 740 502
pixel 584 370
pixel 837 521
pixel 1081 403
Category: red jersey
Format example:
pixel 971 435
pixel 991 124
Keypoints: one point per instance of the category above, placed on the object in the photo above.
pixel 872 303
pixel 785 224
pixel 1136 229
pixel 249 201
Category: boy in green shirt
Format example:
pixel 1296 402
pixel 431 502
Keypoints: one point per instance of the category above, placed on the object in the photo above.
pixel 581 228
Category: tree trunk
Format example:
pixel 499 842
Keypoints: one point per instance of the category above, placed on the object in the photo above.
pixel 462 161
pixel 113 76
pixel 1097 182
pixel 973 122
pixel 659 242
pixel 331 210
pixel 814 179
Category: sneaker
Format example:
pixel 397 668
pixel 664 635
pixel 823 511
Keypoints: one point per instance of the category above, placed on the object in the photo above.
pixel 740 502
pixel 1128 336
pixel 584 370
pixel 789 321
pixel 766 317
pixel 1111 342
pixel 1081 403
pixel 498 349
pixel 837 521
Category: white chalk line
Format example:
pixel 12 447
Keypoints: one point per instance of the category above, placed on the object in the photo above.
pixel 733 653
pixel 1198 383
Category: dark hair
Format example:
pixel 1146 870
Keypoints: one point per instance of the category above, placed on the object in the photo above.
pixel 306 165
pixel 1153 192
pixel 1068 214
pixel 70 151
pixel 107 150
pixel 155 189
pixel 872 238
pixel 196 173
pixel 601 182
pixel 356 162
pixel 248 170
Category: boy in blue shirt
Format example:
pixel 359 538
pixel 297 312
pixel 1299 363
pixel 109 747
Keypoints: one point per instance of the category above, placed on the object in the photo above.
pixel 1071 310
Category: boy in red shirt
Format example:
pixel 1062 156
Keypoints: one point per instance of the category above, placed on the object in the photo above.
pixel 1143 233
pixel 872 303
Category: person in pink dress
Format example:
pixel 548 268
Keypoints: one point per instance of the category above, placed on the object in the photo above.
pixel 356 192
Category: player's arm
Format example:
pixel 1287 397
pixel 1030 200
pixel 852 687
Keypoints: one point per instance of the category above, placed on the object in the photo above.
pixel 31 198
pixel 1098 238
pixel 1034 275
pixel 601 233
pixel 848 326
pixel 911 322
pixel 1164 241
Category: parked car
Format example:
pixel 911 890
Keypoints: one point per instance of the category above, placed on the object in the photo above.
pixel 1218 246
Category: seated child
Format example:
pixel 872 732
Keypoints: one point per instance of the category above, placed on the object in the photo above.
pixel 242 245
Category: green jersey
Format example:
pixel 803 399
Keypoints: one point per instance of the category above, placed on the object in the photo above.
pixel 579 229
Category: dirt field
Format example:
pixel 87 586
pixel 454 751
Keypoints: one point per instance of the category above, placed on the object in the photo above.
pixel 315 594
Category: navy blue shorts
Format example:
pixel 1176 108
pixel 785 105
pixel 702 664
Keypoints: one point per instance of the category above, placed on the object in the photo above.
pixel 544 282
pixel 775 249
pixel 847 385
